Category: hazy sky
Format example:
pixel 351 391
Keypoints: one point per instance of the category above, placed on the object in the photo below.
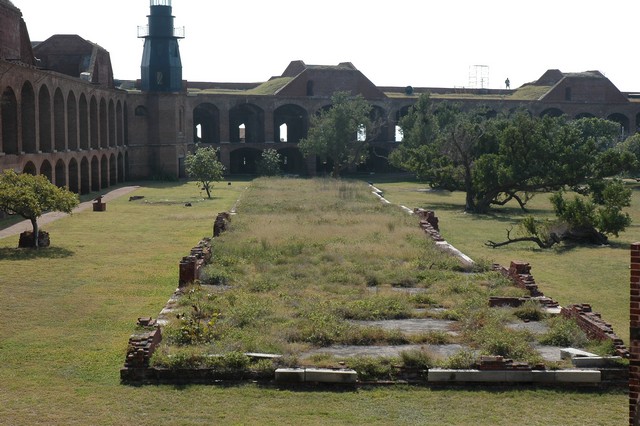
pixel 394 42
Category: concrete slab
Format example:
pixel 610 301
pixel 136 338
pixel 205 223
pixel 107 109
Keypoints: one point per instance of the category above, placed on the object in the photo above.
pixel 412 325
pixel 347 351
pixel 324 375
pixel 596 361
pixel 290 375
pixel 568 353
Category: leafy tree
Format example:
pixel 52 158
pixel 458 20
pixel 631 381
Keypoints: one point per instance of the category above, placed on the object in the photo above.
pixel 205 167
pixel 334 132
pixel 31 196
pixel 589 219
pixel 632 146
pixel 498 160
pixel 269 163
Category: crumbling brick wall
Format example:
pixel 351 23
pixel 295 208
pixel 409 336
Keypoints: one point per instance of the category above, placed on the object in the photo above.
pixel 594 326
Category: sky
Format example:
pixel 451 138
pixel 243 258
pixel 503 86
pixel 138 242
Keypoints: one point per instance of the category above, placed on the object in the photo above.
pixel 419 43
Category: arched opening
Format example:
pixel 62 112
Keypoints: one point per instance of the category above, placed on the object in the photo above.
pixel 119 129
pixel 104 172
pixel 44 119
pixel 83 109
pixel 244 160
pixel 292 161
pixel 294 119
pixel 30 168
pixel 85 176
pixel 252 117
pixel 206 124
pixel 47 170
pixel 73 176
pixel 95 174
pixel 379 131
pixel 93 123
pixel 141 111
pixel 398 135
pixel 113 170
pixel 552 112
pixel 284 134
pixel 59 130
pixel 61 174
pixel 112 123
pixel 121 177
pixel 9 124
pixel 28 119
pixel 104 137
pixel 126 124
pixel 623 121
pixel 376 161
pixel 72 122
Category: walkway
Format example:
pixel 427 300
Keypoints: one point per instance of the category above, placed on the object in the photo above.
pixel 25 225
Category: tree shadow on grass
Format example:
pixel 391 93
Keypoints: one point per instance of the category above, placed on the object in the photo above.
pixel 10 253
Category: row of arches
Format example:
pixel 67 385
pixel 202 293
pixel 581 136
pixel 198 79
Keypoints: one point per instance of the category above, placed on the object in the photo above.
pixel 623 120
pixel 288 123
pixel 41 121
pixel 82 175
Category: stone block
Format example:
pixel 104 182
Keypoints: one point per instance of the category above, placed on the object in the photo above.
pixel 323 375
pixel 595 361
pixel 568 353
pixel 290 375
pixel 577 376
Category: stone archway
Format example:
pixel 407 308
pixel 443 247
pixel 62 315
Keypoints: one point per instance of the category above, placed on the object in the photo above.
pixel 247 119
pixel 296 120
pixel 74 176
pixel 61 174
pixel 85 176
pixel 9 123
pixel 244 160
pixel 206 123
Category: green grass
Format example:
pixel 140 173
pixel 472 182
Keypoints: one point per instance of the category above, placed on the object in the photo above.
pixel 69 310
pixel 567 273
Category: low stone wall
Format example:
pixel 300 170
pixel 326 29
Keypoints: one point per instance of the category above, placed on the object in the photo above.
pixel 141 347
pixel 594 326
pixel 191 266
pixel 429 223
pixel 142 344
pixel 520 274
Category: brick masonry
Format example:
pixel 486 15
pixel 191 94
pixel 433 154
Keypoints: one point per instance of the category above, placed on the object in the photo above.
pixel 143 343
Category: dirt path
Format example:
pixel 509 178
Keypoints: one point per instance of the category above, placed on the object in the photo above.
pixel 25 225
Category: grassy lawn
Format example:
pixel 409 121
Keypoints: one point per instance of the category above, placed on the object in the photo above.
pixel 68 312
pixel 569 274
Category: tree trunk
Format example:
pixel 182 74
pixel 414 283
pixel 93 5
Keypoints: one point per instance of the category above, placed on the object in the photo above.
pixel 36 231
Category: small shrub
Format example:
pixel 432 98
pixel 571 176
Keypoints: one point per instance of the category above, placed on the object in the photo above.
pixel 531 310
pixel 417 358
pixel 372 368
pixel 422 299
pixel 180 357
pixel 462 360
pixel 436 337
pixel 376 308
pixel 262 285
pixel 564 332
